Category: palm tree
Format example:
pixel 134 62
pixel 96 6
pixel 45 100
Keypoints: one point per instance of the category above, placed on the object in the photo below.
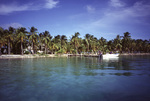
pixel 126 35
pixel 145 45
pixel 75 41
pixel 91 43
pixel 139 43
pixel 46 40
pixel 9 36
pixel 2 39
pixel 94 43
pixel 87 40
pixel 117 43
pixel 40 41
pixel 53 46
pixel 33 37
pixel 21 34
pixel 126 41
pixel 102 43
pixel 57 41
pixel 63 39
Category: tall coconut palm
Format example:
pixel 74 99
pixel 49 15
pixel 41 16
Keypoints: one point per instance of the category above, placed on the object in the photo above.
pixel 132 45
pixel 22 35
pixel 40 41
pixel 75 41
pixel 93 43
pixel 46 40
pixel 126 41
pixel 9 36
pixel 117 43
pixel 2 39
pixel 87 40
pixel 139 43
pixel 63 39
pixel 84 46
pixel 110 46
pixel 102 43
pixel 33 37
pixel 144 45
pixel 55 44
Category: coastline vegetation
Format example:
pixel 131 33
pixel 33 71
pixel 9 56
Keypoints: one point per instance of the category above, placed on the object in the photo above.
pixel 16 40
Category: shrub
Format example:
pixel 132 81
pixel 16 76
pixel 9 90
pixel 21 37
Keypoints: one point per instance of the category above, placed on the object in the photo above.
pixel 26 52
pixel 61 51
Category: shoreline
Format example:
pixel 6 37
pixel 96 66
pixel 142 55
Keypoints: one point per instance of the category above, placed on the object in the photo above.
pixel 123 54
pixel 58 55
pixel 31 56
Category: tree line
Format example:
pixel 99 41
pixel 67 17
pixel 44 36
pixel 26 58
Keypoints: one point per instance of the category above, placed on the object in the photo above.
pixel 15 40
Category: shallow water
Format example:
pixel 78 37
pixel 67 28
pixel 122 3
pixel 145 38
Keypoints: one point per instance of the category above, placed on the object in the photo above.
pixel 126 78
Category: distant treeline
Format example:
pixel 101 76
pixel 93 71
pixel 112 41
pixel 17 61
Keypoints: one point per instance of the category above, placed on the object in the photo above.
pixel 16 40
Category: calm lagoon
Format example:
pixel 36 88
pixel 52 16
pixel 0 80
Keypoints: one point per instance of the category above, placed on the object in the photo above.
pixel 126 78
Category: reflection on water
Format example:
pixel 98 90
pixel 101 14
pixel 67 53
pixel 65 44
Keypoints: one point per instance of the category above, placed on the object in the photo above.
pixel 126 78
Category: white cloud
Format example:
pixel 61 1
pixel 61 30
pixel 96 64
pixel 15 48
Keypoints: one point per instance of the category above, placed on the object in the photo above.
pixel 13 7
pixel 139 9
pixel 51 4
pixel 5 9
pixel 117 3
pixel 119 20
pixel 15 25
pixel 90 9
pixel 126 14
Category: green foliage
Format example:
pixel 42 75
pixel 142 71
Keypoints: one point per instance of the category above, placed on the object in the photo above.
pixel 18 39
pixel 61 51
pixel 34 55
pixel 26 52
pixel 38 53
pixel 73 51
pixel 46 55
pixel 41 54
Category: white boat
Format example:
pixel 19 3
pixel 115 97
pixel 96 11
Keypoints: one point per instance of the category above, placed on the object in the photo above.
pixel 107 56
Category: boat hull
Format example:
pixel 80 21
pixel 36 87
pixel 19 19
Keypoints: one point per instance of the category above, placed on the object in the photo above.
pixel 104 56
pixel 111 56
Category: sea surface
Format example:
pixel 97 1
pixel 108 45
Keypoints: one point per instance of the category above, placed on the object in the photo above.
pixel 126 78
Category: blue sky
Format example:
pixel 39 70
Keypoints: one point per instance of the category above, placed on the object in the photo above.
pixel 101 18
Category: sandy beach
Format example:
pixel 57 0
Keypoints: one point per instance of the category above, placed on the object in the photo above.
pixel 32 56
pixel 57 55
pixel 134 54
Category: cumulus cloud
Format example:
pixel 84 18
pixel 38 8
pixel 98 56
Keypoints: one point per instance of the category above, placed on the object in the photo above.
pixel 139 9
pixel 118 20
pixel 5 9
pixel 127 14
pixel 117 3
pixel 51 4
pixel 13 7
pixel 90 9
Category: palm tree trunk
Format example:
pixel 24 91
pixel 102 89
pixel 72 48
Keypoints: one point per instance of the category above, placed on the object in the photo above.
pixel 0 50
pixel 9 46
pixel 32 48
pixel 21 49
pixel 45 48
pixel 76 50
pixel 52 51
pixel 40 47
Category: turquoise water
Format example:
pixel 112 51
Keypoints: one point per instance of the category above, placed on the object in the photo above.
pixel 75 79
